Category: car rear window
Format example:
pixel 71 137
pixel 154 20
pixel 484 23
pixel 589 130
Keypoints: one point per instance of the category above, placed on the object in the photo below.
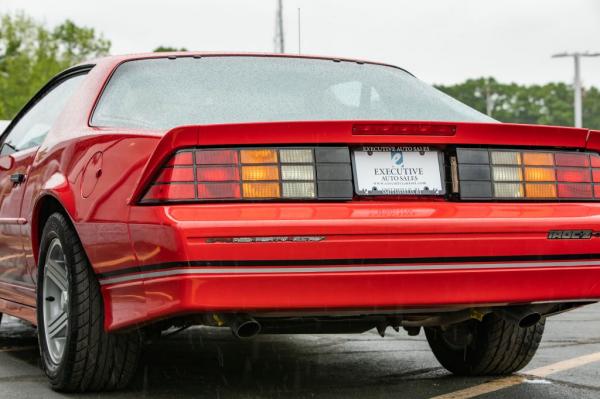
pixel 162 93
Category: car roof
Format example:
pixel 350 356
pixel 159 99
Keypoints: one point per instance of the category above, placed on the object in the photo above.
pixel 117 59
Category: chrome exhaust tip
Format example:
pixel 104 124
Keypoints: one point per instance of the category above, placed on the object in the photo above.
pixel 524 317
pixel 245 327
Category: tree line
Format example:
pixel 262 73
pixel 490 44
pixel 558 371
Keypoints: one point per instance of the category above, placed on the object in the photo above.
pixel 548 104
pixel 31 53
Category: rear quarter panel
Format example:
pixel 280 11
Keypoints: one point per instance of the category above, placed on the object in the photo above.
pixel 94 196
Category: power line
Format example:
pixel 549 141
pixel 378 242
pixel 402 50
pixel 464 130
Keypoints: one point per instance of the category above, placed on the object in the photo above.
pixel 577 101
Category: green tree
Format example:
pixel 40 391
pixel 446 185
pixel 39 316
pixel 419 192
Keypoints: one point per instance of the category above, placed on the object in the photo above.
pixel 31 53
pixel 167 49
pixel 591 108
pixel 549 104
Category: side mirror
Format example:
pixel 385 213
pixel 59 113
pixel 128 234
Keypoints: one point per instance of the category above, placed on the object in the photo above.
pixel 6 162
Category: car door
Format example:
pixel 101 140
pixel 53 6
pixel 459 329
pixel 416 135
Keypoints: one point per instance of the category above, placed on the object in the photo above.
pixel 18 148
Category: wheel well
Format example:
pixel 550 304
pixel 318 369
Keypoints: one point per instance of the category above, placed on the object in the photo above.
pixel 46 206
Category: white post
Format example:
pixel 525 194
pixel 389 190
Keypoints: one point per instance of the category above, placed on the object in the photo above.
pixel 577 89
pixel 299 33
pixel 279 35
pixel 577 99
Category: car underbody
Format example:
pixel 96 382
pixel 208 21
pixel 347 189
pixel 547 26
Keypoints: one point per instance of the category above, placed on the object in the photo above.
pixel 248 325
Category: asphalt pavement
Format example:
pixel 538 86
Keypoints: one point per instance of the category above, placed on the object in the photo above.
pixel 211 363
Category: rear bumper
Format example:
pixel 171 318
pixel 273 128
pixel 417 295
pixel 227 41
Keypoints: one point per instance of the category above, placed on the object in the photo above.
pixel 162 297
pixel 372 256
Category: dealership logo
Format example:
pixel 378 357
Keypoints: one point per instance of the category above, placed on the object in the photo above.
pixel 397 158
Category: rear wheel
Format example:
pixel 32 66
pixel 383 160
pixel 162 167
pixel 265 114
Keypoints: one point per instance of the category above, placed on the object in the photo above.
pixel 77 354
pixel 493 346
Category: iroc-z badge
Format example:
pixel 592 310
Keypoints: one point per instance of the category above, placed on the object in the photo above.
pixel 571 234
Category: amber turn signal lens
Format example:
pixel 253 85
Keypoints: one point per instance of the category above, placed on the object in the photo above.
pixel 540 190
pixel 260 173
pixel 259 156
pixel 261 190
pixel 538 158
pixel 539 174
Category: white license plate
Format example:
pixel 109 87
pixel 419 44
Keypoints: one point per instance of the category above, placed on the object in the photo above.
pixel 398 171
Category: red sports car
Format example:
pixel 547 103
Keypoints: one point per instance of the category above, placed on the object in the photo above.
pixel 281 194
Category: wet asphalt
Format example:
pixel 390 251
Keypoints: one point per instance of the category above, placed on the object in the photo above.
pixel 211 363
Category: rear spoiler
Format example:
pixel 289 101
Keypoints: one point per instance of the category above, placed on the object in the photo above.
pixel 345 133
pixel 593 140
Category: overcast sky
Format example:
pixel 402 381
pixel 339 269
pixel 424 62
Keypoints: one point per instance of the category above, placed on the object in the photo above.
pixel 440 41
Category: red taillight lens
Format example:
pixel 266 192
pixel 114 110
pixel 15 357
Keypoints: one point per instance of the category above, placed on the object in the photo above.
pixel 181 159
pixel 169 175
pixel 573 175
pixel 217 173
pixel 219 190
pixel 574 190
pixel 170 192
pixel 216 157
pixel 571 159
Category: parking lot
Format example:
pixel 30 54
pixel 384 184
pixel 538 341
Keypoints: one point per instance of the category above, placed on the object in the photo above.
pixel 211 363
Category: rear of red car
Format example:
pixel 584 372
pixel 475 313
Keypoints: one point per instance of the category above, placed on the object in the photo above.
pixel 327 196
pixel 285 227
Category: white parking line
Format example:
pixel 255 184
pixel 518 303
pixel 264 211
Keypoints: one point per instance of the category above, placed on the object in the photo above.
pixel 508 382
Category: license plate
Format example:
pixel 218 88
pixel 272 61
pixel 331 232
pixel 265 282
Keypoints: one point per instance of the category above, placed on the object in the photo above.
pixel 398 171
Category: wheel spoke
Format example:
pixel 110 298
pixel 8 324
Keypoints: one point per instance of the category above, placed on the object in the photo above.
pixel 60 342
pixel 57 274
pixel 57 325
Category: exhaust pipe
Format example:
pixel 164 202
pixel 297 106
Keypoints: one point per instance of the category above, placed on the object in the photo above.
pixel 523 316
pixel 244 326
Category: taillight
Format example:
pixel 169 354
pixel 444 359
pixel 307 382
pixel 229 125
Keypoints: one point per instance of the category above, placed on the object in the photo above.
pixel 533 175
pixel 253 174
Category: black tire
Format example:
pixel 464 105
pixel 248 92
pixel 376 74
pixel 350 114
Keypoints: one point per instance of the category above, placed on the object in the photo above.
pixel 491 347
pixel 93 360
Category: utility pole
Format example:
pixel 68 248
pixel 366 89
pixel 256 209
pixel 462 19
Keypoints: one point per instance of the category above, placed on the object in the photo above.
pixel 279 36
pixel 299 33
pixel 490 98
pixel 577 101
